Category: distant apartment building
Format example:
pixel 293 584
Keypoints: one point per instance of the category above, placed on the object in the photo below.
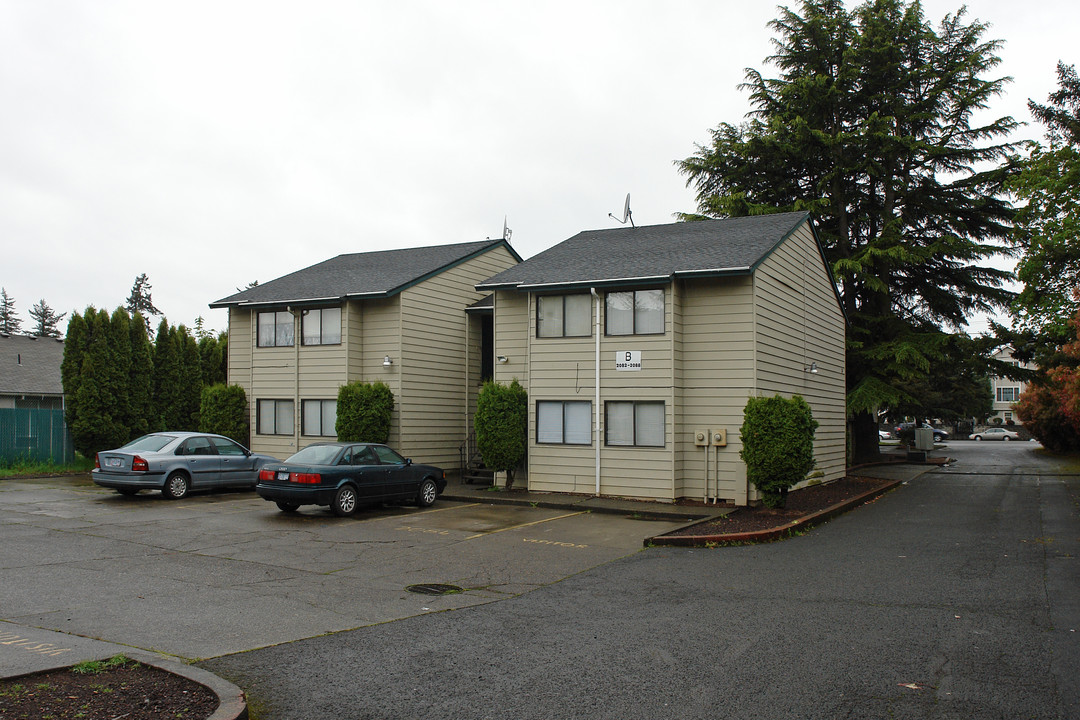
pixel 1006 390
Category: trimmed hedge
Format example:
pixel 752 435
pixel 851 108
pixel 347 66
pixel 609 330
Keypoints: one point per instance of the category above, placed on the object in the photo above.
pixel 777 445
pixel 364 411
pixel 502 426
pixel 224 410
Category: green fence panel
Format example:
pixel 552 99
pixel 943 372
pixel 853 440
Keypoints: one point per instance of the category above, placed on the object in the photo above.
pixel 35 435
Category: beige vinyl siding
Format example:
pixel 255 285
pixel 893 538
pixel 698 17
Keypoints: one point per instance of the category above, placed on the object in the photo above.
pixel 274 377
pixel 434 394
pixel 352 336
pixel 717 369
pixel 565 369
pixel 512 327
pixel 799 323
pixel 381 321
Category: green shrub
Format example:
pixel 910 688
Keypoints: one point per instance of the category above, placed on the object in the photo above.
pixel 364 411
pixel 777 445
pixel 502 426
pixel 224 410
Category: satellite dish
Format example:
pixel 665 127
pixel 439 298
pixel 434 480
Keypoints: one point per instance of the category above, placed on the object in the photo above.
pixel 626 214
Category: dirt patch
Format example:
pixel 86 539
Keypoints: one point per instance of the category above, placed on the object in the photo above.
pixel 124 689
pixel 800 503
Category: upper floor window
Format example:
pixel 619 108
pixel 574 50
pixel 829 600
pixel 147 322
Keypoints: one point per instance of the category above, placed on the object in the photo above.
pixel 636 312
pixel 276 329
pixel 563 316
pixel 1008 394
pixel 322 327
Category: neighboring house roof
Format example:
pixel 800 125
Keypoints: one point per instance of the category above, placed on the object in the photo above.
pixel 30 365
pixel 359 275
pixel 654 253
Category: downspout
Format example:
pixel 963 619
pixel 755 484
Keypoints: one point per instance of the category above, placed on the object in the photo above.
pixel 596 297
pixel 298 410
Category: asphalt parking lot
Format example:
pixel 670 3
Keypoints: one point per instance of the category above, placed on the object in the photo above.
pixel 222 573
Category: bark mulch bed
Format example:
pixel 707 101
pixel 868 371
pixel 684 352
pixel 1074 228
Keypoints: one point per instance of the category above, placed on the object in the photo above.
pixel 801 504
pixel 107 690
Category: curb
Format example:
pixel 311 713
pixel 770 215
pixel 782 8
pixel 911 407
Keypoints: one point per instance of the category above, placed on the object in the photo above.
pixel 772 534
pixel 232 704
pixel 582 504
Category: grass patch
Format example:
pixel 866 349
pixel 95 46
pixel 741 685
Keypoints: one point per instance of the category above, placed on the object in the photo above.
pixel 25 466
pixel 95 667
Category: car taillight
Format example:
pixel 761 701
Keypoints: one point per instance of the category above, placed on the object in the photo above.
pixel 265 474
pixel 97 462
pixel 139 465
pixel 307 478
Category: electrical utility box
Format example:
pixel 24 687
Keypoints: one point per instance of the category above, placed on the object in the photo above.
pixel 924 438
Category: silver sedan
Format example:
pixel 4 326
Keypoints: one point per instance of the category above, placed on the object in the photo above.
pixel 995 433
pixel 176 463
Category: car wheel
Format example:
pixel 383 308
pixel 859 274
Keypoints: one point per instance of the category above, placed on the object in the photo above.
pixel 288 507
pixel 344 501
pixel 425 496
pixel 1006 438
pixel 176 486
pixel 128 491
pixel 978 438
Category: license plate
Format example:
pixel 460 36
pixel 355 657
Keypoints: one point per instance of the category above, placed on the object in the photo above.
pixel 283 476
pixel 113 462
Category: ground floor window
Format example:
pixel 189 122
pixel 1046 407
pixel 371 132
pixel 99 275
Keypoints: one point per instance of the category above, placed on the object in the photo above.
pixel 636 424
pixel 319 418
pixel 565 422
pixel 274 417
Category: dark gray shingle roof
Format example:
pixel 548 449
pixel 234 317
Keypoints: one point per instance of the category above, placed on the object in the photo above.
pixel 657 252
pixel 371 274
pixel 30 366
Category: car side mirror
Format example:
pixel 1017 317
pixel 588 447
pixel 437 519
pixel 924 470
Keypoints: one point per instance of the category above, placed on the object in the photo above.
pixel 408 461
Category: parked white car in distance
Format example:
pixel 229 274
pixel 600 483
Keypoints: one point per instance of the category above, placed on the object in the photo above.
pixel 994 434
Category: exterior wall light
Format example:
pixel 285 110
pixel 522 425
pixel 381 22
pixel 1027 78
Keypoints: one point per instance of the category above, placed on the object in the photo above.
pixel 502 358
pixel 387 362
pixel 811 369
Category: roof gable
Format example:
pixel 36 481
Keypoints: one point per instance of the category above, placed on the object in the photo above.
pixel 30 365
pixel 733 246
pixel 357 275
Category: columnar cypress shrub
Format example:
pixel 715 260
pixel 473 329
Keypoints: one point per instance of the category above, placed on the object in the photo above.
pixel 120 370
pixel 224 410
pixel 191 382
pixel 71 366
pixel 364 412
pixel 777 445
pixel 502 426
pixel 166 379
pixel 140 379
pixel 95 426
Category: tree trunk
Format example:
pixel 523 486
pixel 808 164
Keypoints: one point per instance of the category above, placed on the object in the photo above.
pixel 864 439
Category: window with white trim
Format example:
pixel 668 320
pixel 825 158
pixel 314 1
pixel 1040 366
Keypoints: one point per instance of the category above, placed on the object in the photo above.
pixel 563 316
pixel 637 312
pixel 274 417
pixel 319 418
pixel 1008 394
pixel 562 422
pixel 634 424
pixel 276 329
pixel 321 327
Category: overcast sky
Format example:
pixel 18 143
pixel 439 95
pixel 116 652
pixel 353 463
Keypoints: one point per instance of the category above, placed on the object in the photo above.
pixel 209 144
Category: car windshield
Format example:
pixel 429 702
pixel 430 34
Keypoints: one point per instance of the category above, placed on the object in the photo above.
pixel 148 443
pixel 315 455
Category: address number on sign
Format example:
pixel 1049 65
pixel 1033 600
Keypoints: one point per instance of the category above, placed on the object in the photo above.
pixel 628 360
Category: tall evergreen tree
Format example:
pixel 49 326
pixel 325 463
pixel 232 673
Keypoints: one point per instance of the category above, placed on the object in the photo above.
pixel 75 343
pixel 869 127
pixel 166 379
pixel 141 379
pixel 120 370
pixel 9 319
pixel 191 382
pixel 46 319
pixel 139 301
pixel 95 425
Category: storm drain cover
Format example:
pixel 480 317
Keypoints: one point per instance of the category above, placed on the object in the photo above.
pixel 434 589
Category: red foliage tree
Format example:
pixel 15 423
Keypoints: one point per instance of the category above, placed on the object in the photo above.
pixel 1050 408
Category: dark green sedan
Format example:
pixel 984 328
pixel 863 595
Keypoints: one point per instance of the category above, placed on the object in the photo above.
pixel 344 476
